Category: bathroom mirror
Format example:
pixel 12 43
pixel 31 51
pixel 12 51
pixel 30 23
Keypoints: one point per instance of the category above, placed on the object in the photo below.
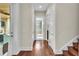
pixel 4 23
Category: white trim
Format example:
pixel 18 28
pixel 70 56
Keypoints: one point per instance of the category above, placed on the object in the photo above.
pixel 26 49
pixel 15 53
pixel 6 54
pixel 65 47
pixel 23 49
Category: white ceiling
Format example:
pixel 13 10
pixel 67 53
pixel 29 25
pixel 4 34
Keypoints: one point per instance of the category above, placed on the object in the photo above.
pixel 40 6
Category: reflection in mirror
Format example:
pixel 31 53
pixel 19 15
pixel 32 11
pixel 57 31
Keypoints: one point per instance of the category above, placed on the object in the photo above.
pixel 4 19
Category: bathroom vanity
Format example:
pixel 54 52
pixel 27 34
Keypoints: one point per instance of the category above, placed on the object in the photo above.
pixel 4 33
pixel 4 44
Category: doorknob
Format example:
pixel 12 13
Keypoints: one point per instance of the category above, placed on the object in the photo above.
pixel 11 34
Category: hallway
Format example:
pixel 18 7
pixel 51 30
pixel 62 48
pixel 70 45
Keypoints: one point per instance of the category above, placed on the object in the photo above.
pixel 40 48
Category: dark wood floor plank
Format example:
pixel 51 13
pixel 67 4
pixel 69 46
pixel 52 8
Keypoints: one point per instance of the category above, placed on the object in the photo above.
pixel 65 53
pixel 72 51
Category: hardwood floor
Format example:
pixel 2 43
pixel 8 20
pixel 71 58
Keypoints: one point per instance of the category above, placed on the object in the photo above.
pixel 40 48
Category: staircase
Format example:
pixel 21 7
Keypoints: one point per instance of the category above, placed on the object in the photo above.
pixel 72 50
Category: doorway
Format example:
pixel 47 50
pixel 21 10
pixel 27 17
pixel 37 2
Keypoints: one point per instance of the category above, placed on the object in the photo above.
pixel 39 18
pixel 39 28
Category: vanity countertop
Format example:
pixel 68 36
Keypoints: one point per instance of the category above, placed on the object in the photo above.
pixel 6 39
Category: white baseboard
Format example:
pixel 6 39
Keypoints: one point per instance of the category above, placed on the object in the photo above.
pixel 65 47
pixel 26 49
pixel 5 54
pixel 15 53
pixel 22 49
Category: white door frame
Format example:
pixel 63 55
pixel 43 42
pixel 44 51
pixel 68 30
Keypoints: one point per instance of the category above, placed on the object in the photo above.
pixel 14 13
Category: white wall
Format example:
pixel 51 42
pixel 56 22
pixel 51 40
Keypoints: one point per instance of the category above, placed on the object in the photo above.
pixel 26 26
pixel 50 15
pixel 66 23
pixel 33 23
pixel 21 28
pixel 66 26
pixel 15 29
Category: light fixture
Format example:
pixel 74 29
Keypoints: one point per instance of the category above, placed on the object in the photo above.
pixel 40 6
